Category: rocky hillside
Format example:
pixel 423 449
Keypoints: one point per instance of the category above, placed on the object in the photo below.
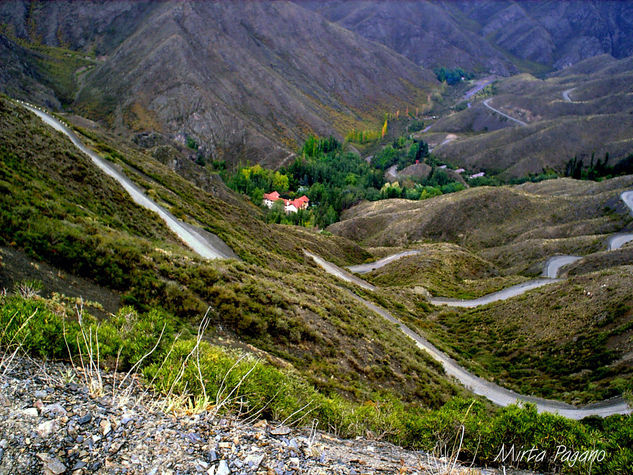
pixel 249 85
pixel 429 33
pixel 52 425
pixel 495 36
pixel 583 110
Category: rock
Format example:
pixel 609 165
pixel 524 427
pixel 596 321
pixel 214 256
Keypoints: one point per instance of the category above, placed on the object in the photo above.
pixel 85 419
pixel 56 410
pixel 254 461
pixel 116 446
pixel 105 427
pixel 30 412
pixel 39 394
pixel 47 428
pixel 281 430
pixel 127 418
pixel 223 468
pixel 52 464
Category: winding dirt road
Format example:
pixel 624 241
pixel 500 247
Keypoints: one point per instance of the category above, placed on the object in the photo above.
pixel 211 247
pixel 497 394
pixel 486 103
pixel 566 95
pixel 554 264
pixel 504 294
pixel 365 268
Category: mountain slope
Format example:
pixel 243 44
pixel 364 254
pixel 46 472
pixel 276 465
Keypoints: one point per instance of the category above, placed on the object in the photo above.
pixel 424 32
pixel 260 73
pixel 92 27
pixel 556 33
pixel 585 110
pixel 247 86
pixel 498 36
pixel 56 206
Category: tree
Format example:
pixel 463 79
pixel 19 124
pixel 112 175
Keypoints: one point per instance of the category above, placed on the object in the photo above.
pixel 257 196
pixel 280 182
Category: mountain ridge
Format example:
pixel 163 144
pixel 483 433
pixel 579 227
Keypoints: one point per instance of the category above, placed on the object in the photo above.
pixel 249 85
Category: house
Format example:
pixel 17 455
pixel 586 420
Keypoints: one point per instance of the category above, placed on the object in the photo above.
pixel 290 206
pixel 301 202
pixel 270 198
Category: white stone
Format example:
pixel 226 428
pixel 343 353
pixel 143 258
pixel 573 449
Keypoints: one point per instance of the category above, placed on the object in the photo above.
pixel 46 428
pixel 223 468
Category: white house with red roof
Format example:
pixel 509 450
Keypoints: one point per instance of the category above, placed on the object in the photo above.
pixel 290 206
pixel 270 198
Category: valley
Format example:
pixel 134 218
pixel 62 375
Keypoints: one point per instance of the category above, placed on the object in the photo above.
pixel 474 375
pixel 404 223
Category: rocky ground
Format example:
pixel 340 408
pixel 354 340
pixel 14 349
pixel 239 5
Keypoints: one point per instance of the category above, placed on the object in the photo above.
pixel 51 422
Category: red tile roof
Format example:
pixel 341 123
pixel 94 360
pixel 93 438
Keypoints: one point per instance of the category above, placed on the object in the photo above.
pixel 299 203
pixel 274 196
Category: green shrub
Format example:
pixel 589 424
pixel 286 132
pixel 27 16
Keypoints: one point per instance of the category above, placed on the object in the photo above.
pixel 237 380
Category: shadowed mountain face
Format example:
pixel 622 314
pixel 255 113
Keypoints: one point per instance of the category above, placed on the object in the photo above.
pixel 493 35
pixel 556 33
pixel 248 80
pixel 19 77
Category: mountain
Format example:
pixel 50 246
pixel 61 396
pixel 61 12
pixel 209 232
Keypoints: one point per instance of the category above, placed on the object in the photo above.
pixel 496 36
pixel 556 34
pixel 429 33
pixel 248 85
pixel 583 110
pixel 93 26
pixel 485 239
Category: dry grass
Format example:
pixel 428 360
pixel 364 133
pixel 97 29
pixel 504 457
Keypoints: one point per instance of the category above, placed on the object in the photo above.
pixel 443 269
pixel 485 217
pixel 598 120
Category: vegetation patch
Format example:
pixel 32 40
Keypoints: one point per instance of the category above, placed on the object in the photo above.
pixel 178 364
pixel 565 341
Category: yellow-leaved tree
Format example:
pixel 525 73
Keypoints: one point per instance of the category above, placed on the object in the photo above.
pixel 384 128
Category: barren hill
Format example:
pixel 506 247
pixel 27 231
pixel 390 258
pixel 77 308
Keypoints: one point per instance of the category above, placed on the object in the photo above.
pixel 495 36
pixel 486 217
pixel 585 110
pixel 248 80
